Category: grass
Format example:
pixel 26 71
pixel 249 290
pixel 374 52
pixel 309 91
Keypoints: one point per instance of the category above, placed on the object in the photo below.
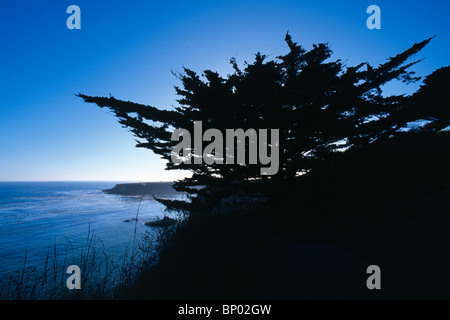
pixel 101 276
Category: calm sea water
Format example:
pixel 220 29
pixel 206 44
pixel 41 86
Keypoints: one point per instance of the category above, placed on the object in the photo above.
pixel 38 217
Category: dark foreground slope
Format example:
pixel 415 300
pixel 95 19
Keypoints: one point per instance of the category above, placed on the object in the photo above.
pixel 386 206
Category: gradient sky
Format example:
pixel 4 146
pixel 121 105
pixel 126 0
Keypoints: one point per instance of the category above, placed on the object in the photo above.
pixel 128 48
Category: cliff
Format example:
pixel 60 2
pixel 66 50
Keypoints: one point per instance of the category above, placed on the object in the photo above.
pixel 143 188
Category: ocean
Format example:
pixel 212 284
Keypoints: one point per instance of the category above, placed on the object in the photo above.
pixel 38 219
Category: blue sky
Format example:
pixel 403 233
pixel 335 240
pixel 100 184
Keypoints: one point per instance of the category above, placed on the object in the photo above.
pixel 128 48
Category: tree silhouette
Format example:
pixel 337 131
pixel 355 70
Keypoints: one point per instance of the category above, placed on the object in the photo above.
pixel 320 107
pixel 430 102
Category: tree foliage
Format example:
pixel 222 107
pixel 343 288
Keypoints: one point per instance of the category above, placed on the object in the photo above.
pixel 320 105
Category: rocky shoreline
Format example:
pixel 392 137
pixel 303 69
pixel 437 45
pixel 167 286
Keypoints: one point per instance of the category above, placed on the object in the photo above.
pixel 164 222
